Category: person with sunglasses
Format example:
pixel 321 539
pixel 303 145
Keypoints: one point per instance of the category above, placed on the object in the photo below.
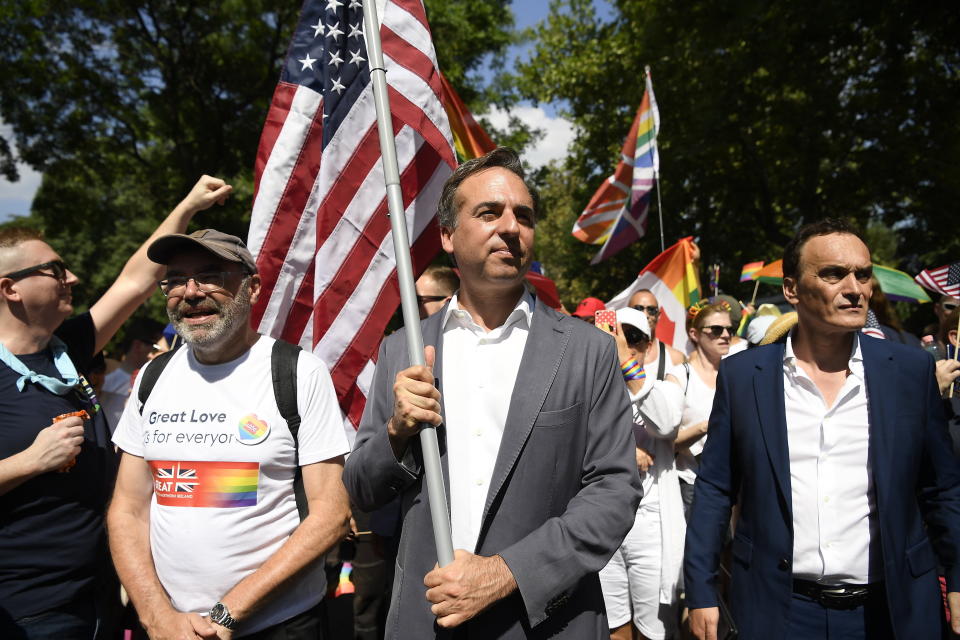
pixel 711 329
pixel 55 475
pixel 641 582
pixel 435 287
pixel 659 356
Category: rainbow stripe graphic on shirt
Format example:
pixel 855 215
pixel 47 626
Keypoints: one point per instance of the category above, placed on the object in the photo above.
pixel 217 484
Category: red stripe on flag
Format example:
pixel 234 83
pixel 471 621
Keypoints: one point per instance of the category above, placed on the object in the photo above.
pixel 356 263
pixel 367 339
pixel 415 9
pixel 414 117
pixel 276 116
pixel 286 219
pixel 410 58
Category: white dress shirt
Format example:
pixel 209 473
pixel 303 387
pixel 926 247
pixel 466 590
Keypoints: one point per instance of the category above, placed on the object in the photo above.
pixel 834 503
pixel 479 372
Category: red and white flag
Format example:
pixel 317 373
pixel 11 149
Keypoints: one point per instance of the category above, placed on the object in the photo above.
pixel 319 226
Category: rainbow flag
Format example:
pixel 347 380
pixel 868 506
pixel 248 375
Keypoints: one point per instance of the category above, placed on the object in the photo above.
pixel 673 280
pixel 616 215
pixel 771 274
pixel 469 137
pixel 344 584
pixel 749 269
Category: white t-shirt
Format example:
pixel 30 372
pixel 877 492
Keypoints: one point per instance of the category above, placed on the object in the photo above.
pixel 114 394
pixel 696 408
pixel 223 464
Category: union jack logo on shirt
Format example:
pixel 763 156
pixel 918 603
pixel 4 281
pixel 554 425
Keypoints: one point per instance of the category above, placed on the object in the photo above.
pixel 185 479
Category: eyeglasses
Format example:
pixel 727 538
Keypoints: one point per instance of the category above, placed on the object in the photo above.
pixel 423 299
pixel 633 335
pixel 207 282
pixel 653 310
pixel 717 330
pixel 948 306
pixel 56 266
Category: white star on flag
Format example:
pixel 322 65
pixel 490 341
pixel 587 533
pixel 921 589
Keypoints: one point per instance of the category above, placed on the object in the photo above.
pixel 317 28
pixel 333 31
pixel 354 4
pixel 355 31
pixel 337 86
pixel 335 59
pixel 307 62
pixel 332 5
pixel 356 58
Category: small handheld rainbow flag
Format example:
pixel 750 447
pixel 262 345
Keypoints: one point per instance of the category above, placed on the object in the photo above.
pixel 344 586
pixel 749 270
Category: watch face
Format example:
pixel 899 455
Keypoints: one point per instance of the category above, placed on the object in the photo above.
pixel 217 612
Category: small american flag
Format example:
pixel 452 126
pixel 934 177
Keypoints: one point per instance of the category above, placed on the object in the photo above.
pixel 945 279
pixel 319 226
pixel 872 327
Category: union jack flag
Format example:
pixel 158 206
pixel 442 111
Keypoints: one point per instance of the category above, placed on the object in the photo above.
pixel 319 226
pixel 185 480
pixel 945 279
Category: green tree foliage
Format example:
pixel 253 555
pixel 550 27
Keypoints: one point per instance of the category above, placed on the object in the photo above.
pixel 773 114
pixel 123 105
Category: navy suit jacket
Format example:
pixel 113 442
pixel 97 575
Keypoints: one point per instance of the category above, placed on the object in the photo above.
pixel 915 474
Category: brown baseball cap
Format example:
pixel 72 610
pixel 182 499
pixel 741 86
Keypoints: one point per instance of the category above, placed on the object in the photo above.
pixel 222 245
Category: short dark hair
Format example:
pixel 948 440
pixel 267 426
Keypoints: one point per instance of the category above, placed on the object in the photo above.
pixel 144 329
pixel 503 157
pixel 445 277
pixel 825 227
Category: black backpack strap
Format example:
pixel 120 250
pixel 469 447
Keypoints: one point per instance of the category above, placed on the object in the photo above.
pixel 662 365
pixel 151 374
pixel 283 366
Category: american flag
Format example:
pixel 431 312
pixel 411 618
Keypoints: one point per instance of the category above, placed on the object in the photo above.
pixel 872 326
pixel 945 279
pixel 319 226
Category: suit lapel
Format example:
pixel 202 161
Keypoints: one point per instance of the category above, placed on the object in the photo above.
pixel 432 329
pixel 771 412
pixel 541 360
pixel 879 370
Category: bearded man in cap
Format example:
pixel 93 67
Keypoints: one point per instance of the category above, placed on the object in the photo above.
pixel 205 529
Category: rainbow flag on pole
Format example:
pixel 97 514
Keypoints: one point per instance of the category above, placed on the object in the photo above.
pixel 469 138
pixel 673 280
pixel 749 269
pixel 616 215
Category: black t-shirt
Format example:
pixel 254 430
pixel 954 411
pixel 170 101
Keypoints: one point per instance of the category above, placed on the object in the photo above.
pixel 52 541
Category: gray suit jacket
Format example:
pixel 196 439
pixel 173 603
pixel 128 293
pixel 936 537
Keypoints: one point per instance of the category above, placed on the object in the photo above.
pixel 563 495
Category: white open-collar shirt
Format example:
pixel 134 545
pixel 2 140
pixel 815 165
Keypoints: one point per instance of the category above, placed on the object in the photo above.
pixel 834 501
pixel 479 372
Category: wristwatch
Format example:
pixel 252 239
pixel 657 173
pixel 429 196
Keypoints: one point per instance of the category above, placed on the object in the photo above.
pixel 221 615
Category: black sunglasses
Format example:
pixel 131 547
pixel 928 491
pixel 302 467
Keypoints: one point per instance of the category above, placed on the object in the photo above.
pixel 653 310
pixel 633 335
pixel 717 330
pixel 422 299
pixel 56 266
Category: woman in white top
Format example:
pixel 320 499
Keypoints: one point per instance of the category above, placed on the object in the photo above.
pixel 710 329
pixel 642 580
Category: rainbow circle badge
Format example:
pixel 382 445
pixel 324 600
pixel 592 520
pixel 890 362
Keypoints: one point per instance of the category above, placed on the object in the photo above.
pixel 252 429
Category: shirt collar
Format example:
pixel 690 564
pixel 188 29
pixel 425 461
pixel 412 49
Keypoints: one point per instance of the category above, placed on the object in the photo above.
pixel 855 363
pixel 523 310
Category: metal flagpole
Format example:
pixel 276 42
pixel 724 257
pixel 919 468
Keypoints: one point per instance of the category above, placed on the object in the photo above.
pixel 408 294
pixel 656 165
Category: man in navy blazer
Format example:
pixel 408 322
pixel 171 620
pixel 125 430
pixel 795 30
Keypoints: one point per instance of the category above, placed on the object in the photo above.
pixel 835 447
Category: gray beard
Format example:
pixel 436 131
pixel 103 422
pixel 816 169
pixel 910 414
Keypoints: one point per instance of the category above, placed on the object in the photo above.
pixel 232 317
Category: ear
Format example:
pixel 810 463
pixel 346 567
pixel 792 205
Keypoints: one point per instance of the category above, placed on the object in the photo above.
pixel 8 290
pixel 254 288
pixel 692 333
pixel 446 239
pixel 790 290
